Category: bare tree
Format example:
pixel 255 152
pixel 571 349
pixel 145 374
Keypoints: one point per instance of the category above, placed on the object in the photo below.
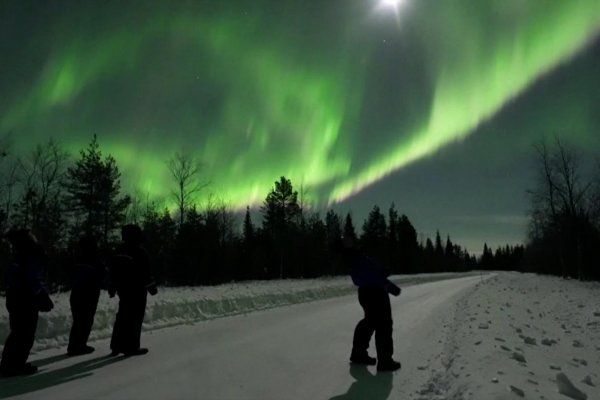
pixel 9 167
pixel 41 178
pixel 303 201
pixel 135 210
pixel 561 204
pixel 560 190
pixel 10 182
pixel 185 171
pixel 544 195
pixel 4 212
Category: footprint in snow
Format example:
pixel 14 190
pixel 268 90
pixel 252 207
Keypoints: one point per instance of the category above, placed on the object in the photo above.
pixel 588 381
pixel 567 388
pixel 519 357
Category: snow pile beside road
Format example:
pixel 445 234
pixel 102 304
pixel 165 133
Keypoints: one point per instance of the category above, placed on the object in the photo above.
pixel 522 336
pixel 175 306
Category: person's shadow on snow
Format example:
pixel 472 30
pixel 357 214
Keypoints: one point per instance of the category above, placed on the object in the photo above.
pixel 367 385
pixel 50 360
pixel 44 379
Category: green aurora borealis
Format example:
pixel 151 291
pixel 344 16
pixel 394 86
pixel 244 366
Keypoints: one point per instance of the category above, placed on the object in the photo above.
pixel 336 95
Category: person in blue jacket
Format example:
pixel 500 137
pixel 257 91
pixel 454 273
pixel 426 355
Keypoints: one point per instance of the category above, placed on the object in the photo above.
pixel 26 295
pixel 374 288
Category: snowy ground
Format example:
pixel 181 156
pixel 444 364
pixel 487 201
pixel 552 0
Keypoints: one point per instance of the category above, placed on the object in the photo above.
pixel 523 336
pixel 507 336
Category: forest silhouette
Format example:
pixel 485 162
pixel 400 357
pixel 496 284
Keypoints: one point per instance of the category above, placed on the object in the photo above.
pixel 61 199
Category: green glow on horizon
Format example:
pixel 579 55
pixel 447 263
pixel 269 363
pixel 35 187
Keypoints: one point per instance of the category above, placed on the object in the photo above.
pixel 280 109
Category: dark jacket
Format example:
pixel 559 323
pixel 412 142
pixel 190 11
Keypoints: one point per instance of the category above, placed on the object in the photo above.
pixel 90 275
pixel 25 285
pixel 368 273
pixel 130 270
pixel 26 275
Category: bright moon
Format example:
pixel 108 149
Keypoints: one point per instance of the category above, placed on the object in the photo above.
pixel 391 4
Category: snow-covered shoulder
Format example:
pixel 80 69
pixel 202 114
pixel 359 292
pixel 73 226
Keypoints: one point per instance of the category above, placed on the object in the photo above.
pixel 522 336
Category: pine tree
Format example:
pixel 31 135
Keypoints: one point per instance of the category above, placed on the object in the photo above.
pixel 449 251
pixel 280 209
pixel 93 192
pixel 315 250
pixel 248 227
pixel 349 229
pixel 429 249
pixel 281 215
pixel 487 257
pixel 409 247
pixel 393 240
pixel 374 236
pixel 375 227
pixel 333 226
pixel 439 249
pixel 160 233
pixel 429 256
pixel 393 222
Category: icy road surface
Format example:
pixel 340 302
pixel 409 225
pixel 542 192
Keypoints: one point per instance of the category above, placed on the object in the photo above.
pixel 293 352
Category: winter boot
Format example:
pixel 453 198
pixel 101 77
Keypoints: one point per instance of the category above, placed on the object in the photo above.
pixel 388 365
pixel 136 352
pixel 25 369
pixel 80 351
pixel 363 359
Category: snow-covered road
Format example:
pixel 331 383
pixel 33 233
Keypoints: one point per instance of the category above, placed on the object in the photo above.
pixel 293 352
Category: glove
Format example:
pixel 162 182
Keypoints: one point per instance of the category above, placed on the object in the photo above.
pixel 392 289
pixel 152 290
pixel 44 302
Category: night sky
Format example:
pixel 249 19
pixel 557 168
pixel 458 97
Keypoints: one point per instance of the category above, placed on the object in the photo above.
pixel 431 104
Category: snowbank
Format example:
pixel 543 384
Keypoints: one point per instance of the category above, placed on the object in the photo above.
pixel 522 336
pixel 174 306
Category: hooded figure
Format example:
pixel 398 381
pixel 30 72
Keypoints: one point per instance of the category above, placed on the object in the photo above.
pixel 131 280
pixel 26 295
pixel 374 288
pixel 89 277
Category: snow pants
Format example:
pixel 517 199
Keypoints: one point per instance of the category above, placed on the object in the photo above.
pixel 23 318
pixel 128 324
pixel 378 319
pixel 84 302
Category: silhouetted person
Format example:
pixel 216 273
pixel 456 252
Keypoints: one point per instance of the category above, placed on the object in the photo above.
pixel 131 280
pixel 89 277
pixel 374 288
pixel 26 295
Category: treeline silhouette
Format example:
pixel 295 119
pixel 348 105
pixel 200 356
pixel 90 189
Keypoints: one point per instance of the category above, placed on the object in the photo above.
pixel 61 199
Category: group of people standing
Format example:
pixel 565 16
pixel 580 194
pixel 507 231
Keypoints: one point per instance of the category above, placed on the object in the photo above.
pixel 126 273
